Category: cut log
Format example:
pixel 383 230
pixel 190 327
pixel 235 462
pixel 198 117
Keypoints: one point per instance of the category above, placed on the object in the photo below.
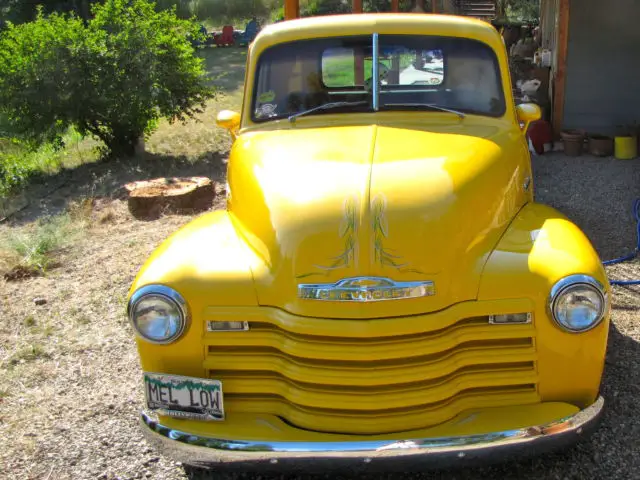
pixel 151 198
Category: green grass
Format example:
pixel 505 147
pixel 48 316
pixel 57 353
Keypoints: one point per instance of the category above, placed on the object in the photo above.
pixel 340 72
pixel 19 164
pixel 199 137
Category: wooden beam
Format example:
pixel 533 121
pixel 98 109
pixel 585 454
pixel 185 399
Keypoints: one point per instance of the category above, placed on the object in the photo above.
pixel 560 80
pixel 291 9
pixel 357 6
pixel 395 5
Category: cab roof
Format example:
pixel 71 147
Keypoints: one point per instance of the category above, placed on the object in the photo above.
pixel 383 23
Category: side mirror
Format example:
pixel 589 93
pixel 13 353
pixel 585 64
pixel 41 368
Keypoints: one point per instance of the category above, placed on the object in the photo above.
pixel 527 113
pixel 229 120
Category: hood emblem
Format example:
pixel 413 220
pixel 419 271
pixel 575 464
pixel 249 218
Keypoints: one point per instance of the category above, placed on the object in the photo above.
pixel 365 289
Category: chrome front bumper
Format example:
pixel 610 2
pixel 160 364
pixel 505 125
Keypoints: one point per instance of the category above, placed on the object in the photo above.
pixel 371 455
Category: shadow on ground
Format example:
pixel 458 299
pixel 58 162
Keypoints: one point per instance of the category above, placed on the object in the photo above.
pixel 51 195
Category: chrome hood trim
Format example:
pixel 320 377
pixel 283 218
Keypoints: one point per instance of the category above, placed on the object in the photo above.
pixel 365 289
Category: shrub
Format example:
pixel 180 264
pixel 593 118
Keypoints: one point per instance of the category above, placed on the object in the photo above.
pixel 113 78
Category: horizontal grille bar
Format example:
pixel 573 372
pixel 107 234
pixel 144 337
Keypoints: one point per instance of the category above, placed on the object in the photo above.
pixel 374 372
pixel 381 397
pixel 320 348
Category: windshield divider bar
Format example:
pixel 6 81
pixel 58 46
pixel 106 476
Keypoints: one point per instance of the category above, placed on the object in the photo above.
pixel 375 74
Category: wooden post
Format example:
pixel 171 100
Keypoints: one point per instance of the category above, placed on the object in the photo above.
pixel 562 43
pixel 394 71
pixel 420 4
pixel 291 9
pixel 358 67
pixel 395 5
pixel 357 6
pixel 434 6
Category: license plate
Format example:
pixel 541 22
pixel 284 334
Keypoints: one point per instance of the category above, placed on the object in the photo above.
pixel 184 397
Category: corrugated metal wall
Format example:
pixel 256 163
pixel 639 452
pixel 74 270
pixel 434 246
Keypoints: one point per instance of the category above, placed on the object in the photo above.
pixel 603 65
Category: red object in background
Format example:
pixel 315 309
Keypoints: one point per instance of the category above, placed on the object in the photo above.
pixel 226 38
pixel 540 133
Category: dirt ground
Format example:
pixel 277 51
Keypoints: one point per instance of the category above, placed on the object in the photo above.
pixel 70 386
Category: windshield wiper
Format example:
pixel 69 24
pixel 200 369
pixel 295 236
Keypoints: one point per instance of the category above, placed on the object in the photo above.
pixel 432 106
pixel 328 106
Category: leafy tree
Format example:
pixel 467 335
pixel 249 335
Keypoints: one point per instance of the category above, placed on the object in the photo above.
pixel 38 76
pixel 221 10
pixel 519 10
pixel 113 78
pixel 327 7
pixel 184 8
pixel 224 10
pixel 330 7
pixel 19 11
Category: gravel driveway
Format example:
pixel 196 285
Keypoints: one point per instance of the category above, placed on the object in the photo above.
pixel 69 376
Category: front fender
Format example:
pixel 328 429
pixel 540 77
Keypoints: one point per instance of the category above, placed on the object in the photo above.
pixel 208 265
pixel 540 247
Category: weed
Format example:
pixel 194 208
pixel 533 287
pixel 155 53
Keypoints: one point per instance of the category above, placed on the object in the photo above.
pixel 78 315
pixel 83 320
pixel 29 321
pixel 108 215
pixel 35 250
pixel 46 330
pixel 81 210
pixel 28 354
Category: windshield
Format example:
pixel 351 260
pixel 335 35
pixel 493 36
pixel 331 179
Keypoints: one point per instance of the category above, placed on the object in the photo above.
pixel 415 72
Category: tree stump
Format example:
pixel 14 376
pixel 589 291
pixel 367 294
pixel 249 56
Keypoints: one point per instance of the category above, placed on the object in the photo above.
pixel 151 198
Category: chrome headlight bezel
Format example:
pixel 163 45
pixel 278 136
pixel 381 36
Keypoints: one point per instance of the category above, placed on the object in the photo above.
pixel 167 294
pixel 586 281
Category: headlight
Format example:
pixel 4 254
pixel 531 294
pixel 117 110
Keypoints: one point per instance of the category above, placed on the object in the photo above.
pixel 158 313
pixel 578 303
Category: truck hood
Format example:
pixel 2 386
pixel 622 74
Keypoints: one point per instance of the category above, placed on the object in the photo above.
pixel 319 205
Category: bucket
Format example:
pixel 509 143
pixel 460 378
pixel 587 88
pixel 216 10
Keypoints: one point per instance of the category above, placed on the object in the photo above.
pixel 626 147
pixel 600 145
pixel 573 142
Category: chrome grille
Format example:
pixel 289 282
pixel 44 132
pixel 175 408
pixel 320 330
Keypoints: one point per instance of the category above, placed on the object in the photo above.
pixel 373 384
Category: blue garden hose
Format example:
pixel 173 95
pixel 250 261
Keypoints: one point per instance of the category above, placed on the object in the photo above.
pixel 631 256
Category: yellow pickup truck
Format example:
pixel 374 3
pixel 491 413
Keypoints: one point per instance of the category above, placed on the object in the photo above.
pixel 381 289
